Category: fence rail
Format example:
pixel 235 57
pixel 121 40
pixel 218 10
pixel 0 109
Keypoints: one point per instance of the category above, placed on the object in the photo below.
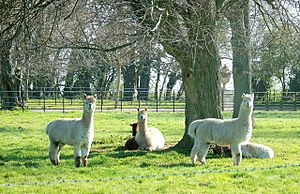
pixel 49 99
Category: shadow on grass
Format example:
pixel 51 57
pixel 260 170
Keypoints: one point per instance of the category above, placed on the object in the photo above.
pixel 30 157
pixel 120 152
pixel 11 129
pixel 126 153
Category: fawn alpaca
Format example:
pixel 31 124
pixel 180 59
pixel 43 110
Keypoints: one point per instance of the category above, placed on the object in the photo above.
pixel 76 132
pixel 231 132
pixel 148 138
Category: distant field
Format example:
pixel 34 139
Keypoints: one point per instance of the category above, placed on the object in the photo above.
pixel 25 165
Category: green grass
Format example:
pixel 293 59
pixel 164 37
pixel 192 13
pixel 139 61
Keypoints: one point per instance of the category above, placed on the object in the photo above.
pixel 24 158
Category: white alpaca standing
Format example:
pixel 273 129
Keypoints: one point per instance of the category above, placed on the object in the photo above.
pixel 255 150
pixel 148 138
pixel 76 132
pixel 231 132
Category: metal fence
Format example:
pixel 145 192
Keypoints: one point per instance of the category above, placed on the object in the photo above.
pixel 54 99
pixel 274 100
pixel 49 99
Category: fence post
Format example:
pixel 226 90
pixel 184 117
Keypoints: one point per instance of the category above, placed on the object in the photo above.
pixel 156 104
pixel 55 97
pixel 101 101
pixel 121 100
pixel 295 101
pixel 267 103
pixel 63 100
pixel 1 96
pixel 281 101
pixel 139 100
pixel 44 99
pixel 173 101
pixel 22 99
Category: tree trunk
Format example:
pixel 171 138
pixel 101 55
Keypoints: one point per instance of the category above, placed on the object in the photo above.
pixel 156 92
pixel 117 92
pixel 200 66
pixel 143 89
pixel 180 92
pixel 202 88
pixel 173 77
pixel 129 81
pixel 162 86
pixel 8 78
pixel 239 23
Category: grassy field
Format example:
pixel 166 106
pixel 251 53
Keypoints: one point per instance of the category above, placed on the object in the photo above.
pixel 25 165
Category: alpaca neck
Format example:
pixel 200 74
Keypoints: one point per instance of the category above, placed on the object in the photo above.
pixel 143 126
pixel 245 115
pixel 88 118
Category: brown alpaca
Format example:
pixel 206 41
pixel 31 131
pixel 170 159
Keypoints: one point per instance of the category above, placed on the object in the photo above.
pixel 134 127
pixel 131 144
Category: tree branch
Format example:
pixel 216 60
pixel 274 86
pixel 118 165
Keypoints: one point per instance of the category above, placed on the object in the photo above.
pixel 93 47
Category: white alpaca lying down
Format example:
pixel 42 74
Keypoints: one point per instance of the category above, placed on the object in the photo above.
pixel 231 132
pixel 76 132
pixel 148 138
pixel 255 150
pixel 249 150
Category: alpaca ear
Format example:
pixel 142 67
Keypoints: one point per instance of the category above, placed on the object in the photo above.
pixel 146 109
pixel 95 96
pixel 243 95
pixel 138 109
pixel 85 96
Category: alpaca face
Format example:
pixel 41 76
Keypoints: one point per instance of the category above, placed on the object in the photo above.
pixel 142 115
pixel 247 101
pixel 90 103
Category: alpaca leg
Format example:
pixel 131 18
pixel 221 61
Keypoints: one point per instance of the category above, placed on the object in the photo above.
pixel 60 146
pixel 53 149
pixel 85 152
pixel 149 149
pixel 194 154
pixel 199 152
pixel 202 152
pixel 77 155
pixel 236 154
pixel 84 161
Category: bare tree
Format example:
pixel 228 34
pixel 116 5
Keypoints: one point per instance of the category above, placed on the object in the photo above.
pixel 187 30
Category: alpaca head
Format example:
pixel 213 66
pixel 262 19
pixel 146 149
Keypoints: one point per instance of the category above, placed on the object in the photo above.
pixel 89 103
pixel 134 127
pixel 142 115
pixel 247 102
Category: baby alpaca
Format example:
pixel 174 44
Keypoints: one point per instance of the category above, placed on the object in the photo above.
pixel 249 150
pixel 135 128
pixel 255 150
pixel 76 132
pixel 231 132
pixel 131 144
pixel 148 138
